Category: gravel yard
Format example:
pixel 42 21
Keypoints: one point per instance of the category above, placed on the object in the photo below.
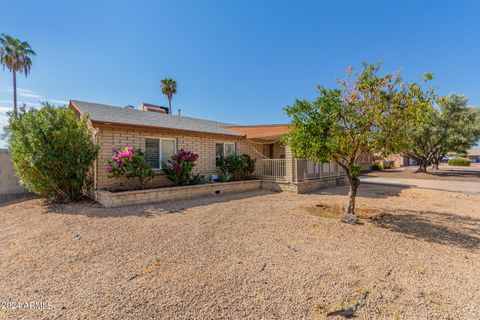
pixel 257 255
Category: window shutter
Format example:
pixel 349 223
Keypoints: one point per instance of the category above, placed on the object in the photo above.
pixel 152 153
pixel 219 150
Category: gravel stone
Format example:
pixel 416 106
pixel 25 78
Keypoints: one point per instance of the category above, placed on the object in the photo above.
pixel 256 255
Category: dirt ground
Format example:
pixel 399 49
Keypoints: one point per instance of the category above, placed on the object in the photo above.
pixel 256 255
pixel 445 172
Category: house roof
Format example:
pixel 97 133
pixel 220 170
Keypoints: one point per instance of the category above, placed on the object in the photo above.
pixel 473 152
pixel 106 114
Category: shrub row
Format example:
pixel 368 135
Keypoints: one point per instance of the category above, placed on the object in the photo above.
pixel 458 161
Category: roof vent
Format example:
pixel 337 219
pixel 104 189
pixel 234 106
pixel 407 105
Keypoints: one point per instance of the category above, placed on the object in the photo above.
pixel 153 108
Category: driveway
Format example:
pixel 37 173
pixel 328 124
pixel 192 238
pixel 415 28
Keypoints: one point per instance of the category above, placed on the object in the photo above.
pixel 446 185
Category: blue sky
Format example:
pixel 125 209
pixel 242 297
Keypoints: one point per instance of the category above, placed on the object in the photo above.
pixel 234 61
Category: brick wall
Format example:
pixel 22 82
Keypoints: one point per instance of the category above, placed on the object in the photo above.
pixel 203 144
pixel 305 186
pixel 278 150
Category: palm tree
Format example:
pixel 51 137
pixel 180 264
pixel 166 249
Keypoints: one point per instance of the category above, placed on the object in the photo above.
pixel 15 55
pixel 169 88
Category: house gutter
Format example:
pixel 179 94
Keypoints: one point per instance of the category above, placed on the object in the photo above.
pixel 118 125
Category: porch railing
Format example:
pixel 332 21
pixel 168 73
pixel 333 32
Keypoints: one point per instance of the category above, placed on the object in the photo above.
pixel 271 169
pixel 306 170
pixel 295 169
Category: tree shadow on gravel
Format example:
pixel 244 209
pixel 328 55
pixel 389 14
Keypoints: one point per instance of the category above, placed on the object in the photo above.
pixel 17 199
pixel 437 227
pixel 366 190
pixel 93 209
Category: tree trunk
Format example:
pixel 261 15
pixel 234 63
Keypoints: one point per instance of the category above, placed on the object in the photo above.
pixel 349 215
pixel 14 93
pixel 170 106
pixel 423 165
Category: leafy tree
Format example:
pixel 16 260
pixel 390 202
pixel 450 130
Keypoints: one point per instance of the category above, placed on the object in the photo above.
pixel 449 126
pixel 52 151
pixel 368 113
pixel 169 88
pixel 15 55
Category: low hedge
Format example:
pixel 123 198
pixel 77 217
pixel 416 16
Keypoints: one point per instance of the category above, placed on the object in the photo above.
pixel 458 161
pixel 377 166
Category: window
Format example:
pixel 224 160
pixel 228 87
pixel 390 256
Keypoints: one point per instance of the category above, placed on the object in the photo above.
pixel 152 153
pixel 223 149
pixel 158 150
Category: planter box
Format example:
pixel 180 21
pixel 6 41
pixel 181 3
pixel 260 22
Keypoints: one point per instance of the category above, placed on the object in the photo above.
pixel 304 186
pixel 117 199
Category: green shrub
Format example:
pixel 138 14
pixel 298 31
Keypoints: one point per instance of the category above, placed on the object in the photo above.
pixel 130 163
pixel 377 166
pixel 52 151
pixel 388 165
pixel 179 168
pixel 234 167
pixel 223 178
pixel 458 161
pixel 198 179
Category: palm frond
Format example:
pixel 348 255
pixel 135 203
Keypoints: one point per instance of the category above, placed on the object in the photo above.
pixel 15 54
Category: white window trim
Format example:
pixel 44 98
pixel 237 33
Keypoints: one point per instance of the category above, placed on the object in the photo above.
pixel 224 143
pixel 234 147
pixel 160 139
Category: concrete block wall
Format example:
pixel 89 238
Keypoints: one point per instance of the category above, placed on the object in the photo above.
pixel 10 187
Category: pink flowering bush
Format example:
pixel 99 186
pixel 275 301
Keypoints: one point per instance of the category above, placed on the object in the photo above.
pixel 129 163
pixel 179 168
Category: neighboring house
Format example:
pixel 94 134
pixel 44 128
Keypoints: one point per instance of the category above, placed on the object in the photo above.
pixel 474 155
pixel 400 161
pixel 161 134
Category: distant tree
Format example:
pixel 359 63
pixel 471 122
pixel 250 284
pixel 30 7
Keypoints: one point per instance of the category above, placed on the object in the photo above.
pixel 169 88
pixel 15 55
pixel 449 126
pixel 52 151
pixel 369 113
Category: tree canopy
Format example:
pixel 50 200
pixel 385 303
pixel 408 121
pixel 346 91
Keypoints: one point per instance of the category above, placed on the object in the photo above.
pixel 169 88
pixel 15 55
pixel 368 113
pixel 448 126
pixel 52 151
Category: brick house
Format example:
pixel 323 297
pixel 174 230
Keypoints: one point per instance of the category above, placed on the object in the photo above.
pixel 161 134
pixel 400 161
pixel 473 155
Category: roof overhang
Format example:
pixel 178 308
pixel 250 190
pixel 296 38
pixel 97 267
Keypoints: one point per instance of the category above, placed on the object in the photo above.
pixel 265 132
